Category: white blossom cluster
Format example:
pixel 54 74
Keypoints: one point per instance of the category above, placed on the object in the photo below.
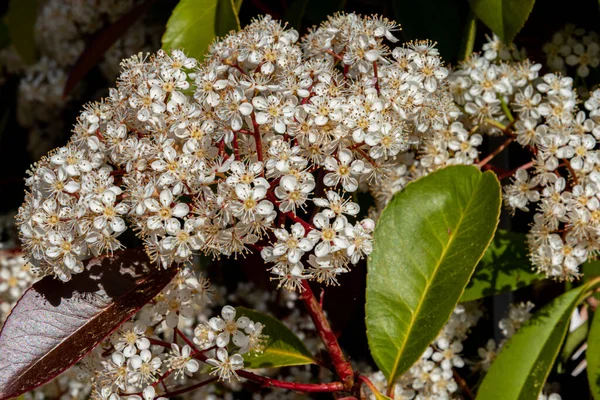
pixel 256 148
pixel 432 376
pixel 129 362
pixel 542 114
pixel 573 49
pixel 62 31
pixel 15 278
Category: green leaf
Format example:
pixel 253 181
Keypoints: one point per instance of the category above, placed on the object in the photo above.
pixel 20 21
pixel 574 340
pixel 469 36
pixel 521 368
pixel 590 269
pixel 295 13
pixel 504 267
pixel 427 243
pixel 283 348
pixel 592 356
pixel 227 18
pixel 194 24
pixel 442 21
pixel 504 17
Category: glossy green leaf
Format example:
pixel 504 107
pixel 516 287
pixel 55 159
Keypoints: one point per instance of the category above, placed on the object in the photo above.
pixel 427 243
pixel 504 17
pixel 592 356
pixel 295 12
pixel 590 269
pixel 504 267
pixel 194 24
pixel 469 36
pixel 20 21
pixel 227 18
pixel 442 21
pixel 522 366
pixel 282 348
pixel 573 342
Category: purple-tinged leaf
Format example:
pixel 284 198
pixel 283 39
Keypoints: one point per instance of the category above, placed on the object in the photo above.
pixel 56 323
pixel 94 52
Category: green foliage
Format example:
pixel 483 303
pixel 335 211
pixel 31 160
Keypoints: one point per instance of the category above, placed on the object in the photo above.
pixel 505 267
pixel 504 17
pixel 293 15
pixel 427 243
pixel 592 357
pixel 572 343
pixel 20 21
pixel 194 24
pixel 521 368
pixel 227 17
pixel 283 348
pixel 441 21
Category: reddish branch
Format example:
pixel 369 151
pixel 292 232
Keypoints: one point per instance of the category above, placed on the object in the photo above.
pixel 170 395
pixel 463 385
pixel 376 77
pixel 257 138
pixel 510 173
pixel 497 151
pixel 301 387
pixel 341 365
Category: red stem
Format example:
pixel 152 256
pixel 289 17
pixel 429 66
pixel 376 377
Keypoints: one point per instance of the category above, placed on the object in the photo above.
pixel 257 138
pixel 341 365
pixel 169 395
pixel 301 387
pixel 497 151
pixel 236 148
pixel 376 76
pixel 513 171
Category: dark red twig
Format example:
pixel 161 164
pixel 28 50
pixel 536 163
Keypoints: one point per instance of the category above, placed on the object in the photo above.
pixel 342 367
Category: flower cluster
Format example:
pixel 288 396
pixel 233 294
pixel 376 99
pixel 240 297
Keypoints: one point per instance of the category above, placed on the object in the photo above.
pixel 15 278
pixel 258 147
pixel 539 113
pixel 573 48
pixel 63 29
pixel 132 362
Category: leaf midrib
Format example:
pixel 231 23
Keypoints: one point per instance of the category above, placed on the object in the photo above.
pixel 427 286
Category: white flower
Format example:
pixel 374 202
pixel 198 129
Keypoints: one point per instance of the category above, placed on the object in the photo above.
pixel 336 205
pixel 293 194
pixel 229 328
pixel 329 236
pixel 109 213
pixel 130 338
pixel 273 110
pixel 165 212
pixel 293 243
pixel 204 336
pixel 145 367
pixel 343 171
pixel 226 365
pixel 251 202
pixel 181 361
pixel 234 108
